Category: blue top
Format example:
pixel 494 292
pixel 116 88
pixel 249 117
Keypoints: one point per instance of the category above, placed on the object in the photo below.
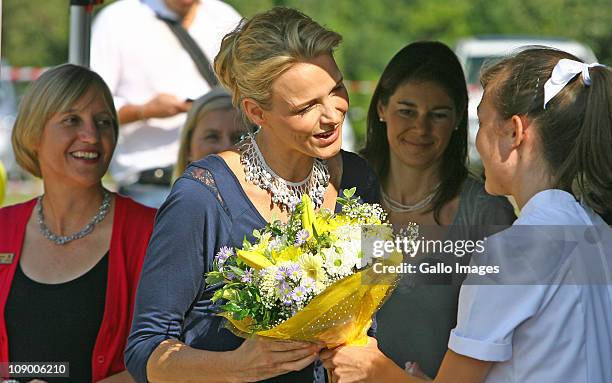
pixel 206 209
pixel 546 317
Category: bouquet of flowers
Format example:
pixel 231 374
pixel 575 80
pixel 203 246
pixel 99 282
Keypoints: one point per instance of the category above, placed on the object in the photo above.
pixel 307 279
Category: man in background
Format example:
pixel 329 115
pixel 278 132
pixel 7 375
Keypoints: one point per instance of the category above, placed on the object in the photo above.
pixel 153 79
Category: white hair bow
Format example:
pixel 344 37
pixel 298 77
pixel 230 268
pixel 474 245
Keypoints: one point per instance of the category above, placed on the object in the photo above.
pixel 562 73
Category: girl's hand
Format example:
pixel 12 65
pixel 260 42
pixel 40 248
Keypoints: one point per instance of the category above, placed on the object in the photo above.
pixel 349 364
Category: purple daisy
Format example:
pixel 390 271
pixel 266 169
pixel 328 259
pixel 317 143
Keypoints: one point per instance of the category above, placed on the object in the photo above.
pixel 301 237
pixel 248 276
pixel 294 272
pixel 223 254
pixel 299 294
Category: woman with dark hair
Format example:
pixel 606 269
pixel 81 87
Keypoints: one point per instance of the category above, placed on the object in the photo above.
pixel 417 144
pixel 545 137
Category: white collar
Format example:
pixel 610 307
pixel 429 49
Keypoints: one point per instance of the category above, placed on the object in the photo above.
pixel 557 207
pixel 547 198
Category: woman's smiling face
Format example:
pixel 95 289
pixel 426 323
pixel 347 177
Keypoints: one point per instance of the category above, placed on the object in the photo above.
pixel 309 104
pixel 420 118
pixel 76 145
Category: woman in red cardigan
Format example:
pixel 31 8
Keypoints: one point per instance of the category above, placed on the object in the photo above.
pixel 70 259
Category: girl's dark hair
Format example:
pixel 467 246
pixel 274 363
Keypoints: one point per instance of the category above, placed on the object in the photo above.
pixel 435 62
pixel 575 129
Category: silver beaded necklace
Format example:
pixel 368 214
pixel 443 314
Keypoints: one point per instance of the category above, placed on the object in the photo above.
pixel 64 239
pixel 284 193
pixel 398 207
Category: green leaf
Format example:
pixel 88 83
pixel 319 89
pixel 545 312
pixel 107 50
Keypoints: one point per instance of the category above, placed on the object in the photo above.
pixel 214 277
pixel 229 294
pixel 246 245
pixel 314 232
pixel 237 271
pixel 230 307
pixel 217 295
pixel 348 193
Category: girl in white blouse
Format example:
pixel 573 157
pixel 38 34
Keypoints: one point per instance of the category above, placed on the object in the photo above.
pixel 545 137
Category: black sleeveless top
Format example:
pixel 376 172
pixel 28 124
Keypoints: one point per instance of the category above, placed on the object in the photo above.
pixel 57 322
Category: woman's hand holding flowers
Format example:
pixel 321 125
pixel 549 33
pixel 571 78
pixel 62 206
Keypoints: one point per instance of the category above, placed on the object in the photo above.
pixel 258 358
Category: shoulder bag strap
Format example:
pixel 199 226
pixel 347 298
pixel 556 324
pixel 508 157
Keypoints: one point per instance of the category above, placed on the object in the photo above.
pixel 194 50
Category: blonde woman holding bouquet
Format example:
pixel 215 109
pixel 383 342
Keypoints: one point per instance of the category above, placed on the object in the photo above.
pixel 280 69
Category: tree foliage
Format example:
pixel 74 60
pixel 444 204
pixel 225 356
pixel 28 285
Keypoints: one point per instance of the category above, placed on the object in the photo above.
pixel 374 30
pixel 35 33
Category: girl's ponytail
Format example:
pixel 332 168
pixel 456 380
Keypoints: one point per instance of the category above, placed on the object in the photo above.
pixel 574 127
pixel 593 155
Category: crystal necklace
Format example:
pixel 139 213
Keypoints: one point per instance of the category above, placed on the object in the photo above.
pixel 62 240
pixel 398 207
pixel 284 193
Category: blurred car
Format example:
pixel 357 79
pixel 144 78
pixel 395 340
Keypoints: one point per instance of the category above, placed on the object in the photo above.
pixel 476 51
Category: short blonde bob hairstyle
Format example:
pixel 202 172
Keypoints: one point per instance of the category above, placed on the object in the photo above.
pixel 262 48
pixel 55 91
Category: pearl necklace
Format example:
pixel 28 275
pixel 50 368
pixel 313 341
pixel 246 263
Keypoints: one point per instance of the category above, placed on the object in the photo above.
pixel 398 207
pixel 61 239
pixel 284 193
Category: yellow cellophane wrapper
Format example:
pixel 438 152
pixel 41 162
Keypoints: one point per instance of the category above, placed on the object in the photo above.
pixel 341 314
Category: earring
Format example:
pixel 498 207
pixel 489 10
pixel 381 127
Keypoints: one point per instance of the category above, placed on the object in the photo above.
pixel 381 119
pixel 456 127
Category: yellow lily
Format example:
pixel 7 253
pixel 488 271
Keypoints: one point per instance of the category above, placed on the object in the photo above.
pixel 287 254
pixel 254 258
pixel 308 215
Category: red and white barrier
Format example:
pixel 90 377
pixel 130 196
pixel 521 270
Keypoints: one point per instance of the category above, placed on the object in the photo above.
pixel 28 73
pixel 20 74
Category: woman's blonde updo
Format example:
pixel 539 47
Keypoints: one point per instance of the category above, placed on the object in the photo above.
pixel 260 49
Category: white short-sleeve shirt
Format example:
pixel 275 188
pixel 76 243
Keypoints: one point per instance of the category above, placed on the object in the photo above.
pixel 549 332
pixel 139 57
